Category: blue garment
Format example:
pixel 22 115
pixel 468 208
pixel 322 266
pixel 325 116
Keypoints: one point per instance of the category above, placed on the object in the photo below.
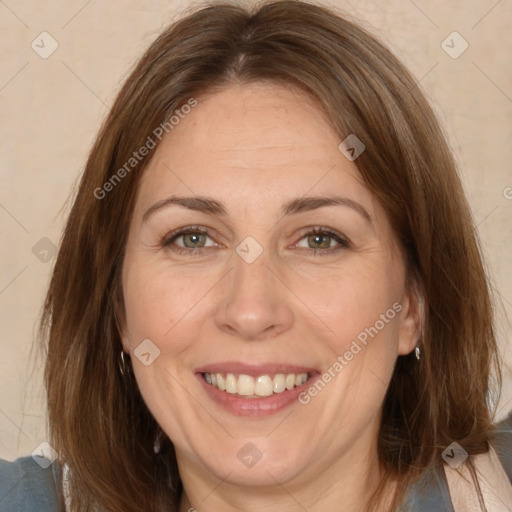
pixel 27 487
pixel 431 494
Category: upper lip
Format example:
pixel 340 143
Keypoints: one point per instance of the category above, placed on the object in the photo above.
pixel 253 369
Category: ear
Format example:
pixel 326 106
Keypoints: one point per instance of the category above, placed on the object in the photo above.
pixel 411 320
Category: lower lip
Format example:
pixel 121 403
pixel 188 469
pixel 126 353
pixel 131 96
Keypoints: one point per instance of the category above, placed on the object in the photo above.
pixel 255 407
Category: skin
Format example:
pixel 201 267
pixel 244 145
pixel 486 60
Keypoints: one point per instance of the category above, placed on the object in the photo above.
pixel 253 148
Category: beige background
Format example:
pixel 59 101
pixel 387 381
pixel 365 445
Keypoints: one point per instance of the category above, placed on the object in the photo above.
pixel 52 108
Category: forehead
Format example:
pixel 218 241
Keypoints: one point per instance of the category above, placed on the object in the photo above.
pixel 258 117
pixel 248 135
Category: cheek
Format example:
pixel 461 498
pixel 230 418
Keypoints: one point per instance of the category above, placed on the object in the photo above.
pixel 156 299
pixel 360 301
pixel 365 315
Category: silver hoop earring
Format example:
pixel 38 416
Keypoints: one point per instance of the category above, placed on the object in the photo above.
pixel 123 367
pixel 156 446
pixel 417 353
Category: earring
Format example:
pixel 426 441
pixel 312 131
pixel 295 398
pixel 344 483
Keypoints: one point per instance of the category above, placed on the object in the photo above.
pixel 156 446
pixel 417 352
pixel 123 367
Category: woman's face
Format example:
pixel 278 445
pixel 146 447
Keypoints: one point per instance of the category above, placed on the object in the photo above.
pixel 256 252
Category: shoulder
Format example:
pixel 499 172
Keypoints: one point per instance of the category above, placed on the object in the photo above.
pixel 502 444
pixel 431 493
pixel 27 486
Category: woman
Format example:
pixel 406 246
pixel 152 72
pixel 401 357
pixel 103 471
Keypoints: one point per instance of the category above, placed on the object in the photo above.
pixel 269 295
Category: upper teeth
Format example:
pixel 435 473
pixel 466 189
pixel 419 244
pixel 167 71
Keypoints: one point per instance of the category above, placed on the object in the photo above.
pixel 263 385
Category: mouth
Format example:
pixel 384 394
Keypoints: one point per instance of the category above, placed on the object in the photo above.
pixel 249 386
pixel 255 390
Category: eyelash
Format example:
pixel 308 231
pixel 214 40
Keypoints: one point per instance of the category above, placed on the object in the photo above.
pixel 171 237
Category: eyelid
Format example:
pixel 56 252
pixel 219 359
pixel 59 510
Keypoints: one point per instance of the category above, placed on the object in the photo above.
pixel 342 240
pixel 177 233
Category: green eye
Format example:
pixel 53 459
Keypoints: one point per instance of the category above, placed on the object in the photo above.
pixel 319 241
pixel 190 239
pixel 193 240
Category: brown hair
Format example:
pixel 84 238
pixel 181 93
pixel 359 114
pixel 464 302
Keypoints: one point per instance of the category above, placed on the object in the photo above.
pixel 98 421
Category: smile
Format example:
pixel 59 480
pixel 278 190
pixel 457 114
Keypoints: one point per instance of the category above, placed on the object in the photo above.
pixel 254 390
pixel 250 386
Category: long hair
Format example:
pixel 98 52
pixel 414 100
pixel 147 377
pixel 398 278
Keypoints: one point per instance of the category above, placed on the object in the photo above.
pixel 97 419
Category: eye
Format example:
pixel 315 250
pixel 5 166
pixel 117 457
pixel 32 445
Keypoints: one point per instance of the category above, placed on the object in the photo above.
pixel 195 239
pixel 322 241
pixel 190 239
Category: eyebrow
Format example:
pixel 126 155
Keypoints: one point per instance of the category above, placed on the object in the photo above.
pixel 299 205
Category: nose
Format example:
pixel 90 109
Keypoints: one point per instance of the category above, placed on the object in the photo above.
pixel 255 303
